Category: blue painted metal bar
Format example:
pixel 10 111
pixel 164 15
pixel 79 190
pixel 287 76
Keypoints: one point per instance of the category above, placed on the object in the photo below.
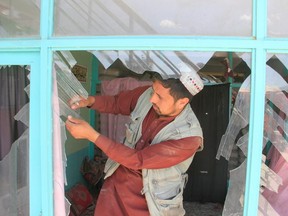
pixel 18 58
pixel 45 89
pixel 148 43
pixel 277 51
pixel 167 43
pixel 36 141
pixel 156 43
pixel 19 45
pixel 256 121
pixel 46 131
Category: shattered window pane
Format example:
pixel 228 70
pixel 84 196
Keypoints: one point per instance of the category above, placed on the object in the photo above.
pixel 275 149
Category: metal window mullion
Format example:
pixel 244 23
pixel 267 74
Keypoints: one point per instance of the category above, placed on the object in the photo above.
pixel 44 80
pixel 256 117
pixel 224 44
pixel 256 122
pixel 35 141
pixel 46 130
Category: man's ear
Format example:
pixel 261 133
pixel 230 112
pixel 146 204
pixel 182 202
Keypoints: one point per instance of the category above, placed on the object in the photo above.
pixel 182 102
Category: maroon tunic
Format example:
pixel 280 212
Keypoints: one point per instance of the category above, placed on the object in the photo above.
pixel 121 193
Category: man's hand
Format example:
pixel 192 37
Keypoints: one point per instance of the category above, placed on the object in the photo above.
pixel 80 129
pixel 82 102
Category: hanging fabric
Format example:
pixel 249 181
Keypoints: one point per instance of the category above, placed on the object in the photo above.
pixel 14 141
pixel 12 98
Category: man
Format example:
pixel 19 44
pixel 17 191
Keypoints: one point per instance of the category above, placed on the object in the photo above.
pixel 146 175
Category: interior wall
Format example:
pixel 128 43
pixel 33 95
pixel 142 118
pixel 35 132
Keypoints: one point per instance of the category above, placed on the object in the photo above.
pixel 76 150
pixel 83 58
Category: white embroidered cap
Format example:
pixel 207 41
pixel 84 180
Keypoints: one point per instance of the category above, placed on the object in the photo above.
pixel 190 79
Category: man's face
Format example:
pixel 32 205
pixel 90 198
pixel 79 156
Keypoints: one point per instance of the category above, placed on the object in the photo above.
pixel 163 103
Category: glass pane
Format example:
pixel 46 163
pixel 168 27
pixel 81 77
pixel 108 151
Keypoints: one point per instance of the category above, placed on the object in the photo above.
pixel 14 140
pixel 19 18
pixel 67 89
pixel 277 14
pixel 153 17
pixel 234 143
pixel 273 197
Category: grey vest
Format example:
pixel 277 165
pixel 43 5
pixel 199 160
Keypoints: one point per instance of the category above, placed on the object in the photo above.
pixel 163 188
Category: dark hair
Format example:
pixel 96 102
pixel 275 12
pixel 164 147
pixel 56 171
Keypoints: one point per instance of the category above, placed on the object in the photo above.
pixel 177 89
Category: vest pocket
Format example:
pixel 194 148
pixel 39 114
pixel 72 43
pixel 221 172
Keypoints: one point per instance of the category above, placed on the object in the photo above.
pixel 168 195
pixel 131 131
pixel 129 135
pixel 172 206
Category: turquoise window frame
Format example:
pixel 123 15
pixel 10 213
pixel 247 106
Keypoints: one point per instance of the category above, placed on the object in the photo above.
pixel 39 164
pixel 38 54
